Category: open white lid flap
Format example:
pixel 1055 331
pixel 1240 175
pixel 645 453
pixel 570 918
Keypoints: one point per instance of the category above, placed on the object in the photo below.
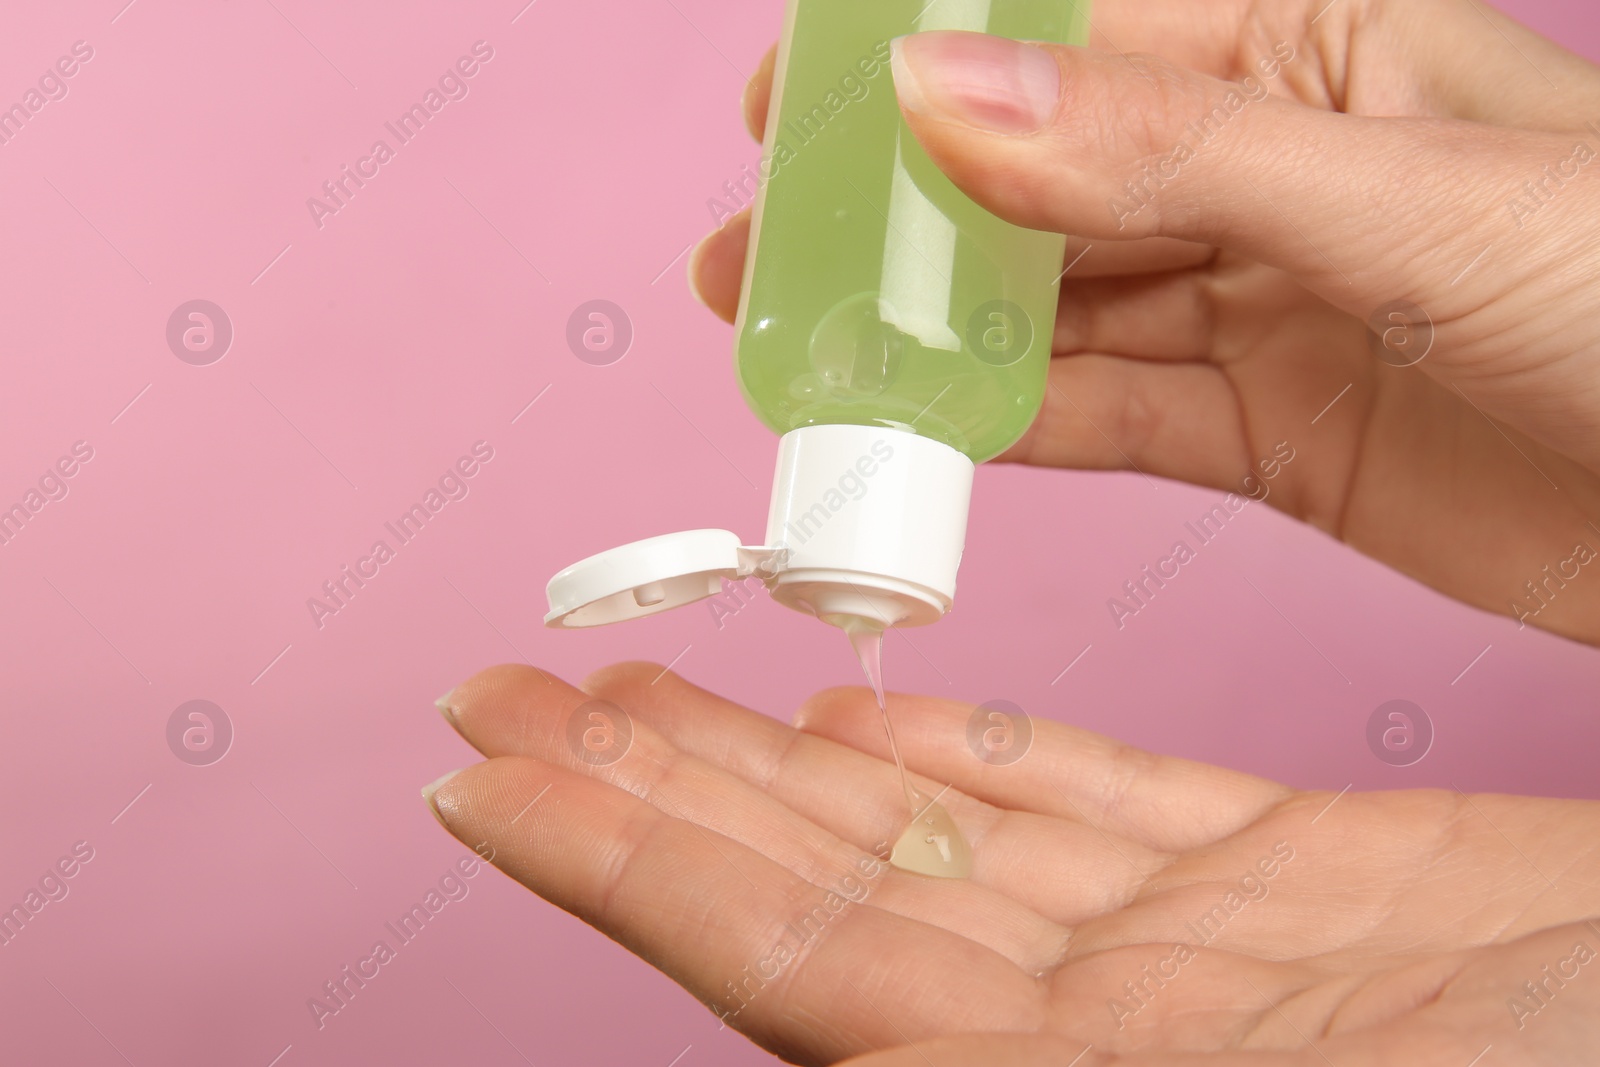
pixel 650 576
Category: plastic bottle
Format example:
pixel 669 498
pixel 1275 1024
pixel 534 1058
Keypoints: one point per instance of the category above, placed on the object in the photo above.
pixel 875 291
pixel 894 332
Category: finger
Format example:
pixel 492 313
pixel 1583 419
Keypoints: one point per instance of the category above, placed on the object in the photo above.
pixel 985 1050
pixel 1102 146
pixel 1230 423
pixel 1446 59
pixel 1478 64
pixel 758 95
pixel 1187 421
pixel 728 924
pixel 1423 57
pixel 1154 316
pixel 506 711
pixel 1051 1050
pixel 1175 420
pixel 1159 801
pixel 716 266
pixel 1062 870
pixel 1025 867
pixel 1107 259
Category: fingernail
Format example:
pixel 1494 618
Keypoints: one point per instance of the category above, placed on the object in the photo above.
pixel 432 788
pixel 446 708
pixel 991 83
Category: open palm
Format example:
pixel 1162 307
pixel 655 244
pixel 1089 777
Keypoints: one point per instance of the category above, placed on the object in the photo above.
pixel 1124 906
pixel 1224 323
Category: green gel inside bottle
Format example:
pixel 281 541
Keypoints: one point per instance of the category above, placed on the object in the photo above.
pixel 875 291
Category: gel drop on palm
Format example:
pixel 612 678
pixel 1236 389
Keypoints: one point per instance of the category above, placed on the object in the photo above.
pixel 891 330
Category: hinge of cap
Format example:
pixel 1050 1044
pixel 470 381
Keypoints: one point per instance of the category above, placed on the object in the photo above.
pixel 763 561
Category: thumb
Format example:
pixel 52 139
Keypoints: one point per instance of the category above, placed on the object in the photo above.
pixel 1055 1050
pixel 1116 147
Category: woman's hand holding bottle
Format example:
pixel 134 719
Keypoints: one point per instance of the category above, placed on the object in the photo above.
pixel 1368 230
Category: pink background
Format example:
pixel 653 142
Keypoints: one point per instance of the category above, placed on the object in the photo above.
pixel 370 354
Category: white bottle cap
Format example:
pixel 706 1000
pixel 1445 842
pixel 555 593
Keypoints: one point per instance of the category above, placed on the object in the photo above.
pixel 866 522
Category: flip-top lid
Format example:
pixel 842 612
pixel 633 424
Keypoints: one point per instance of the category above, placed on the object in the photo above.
pixel 642 578
pixel 865 522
